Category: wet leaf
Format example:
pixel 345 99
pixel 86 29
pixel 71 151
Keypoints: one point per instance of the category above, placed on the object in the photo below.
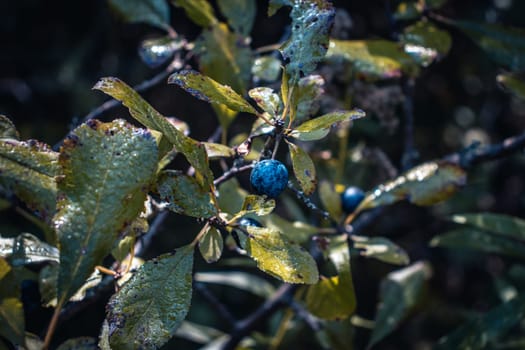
pixel 27 249
pixel 8 129
pixel 331 199
pixel 504 45
pixel 425 184
pixel 484 241
pixel 307 96
pixel 108 168
pixel 240 280
pixel 399 292
pixel 303 168
pixel 266 68
pixel 333 297
pixel 374 59
pixel 150 307
pixel 155 52
pixel 425 42
pixel 12 323
pixel 149 117
pixel 382 249
pixel 28 170
pixel 311 24
pixel 81 343
pixel 211 245
pixel 513 83
pixel 152 12
pixel 240 14
pixel 210 90
pixel 318 128
pixel 483 332
pixel 217 150
pixel 278 257
pixel 297 231
pixel 258 205
pixel 266 99
pixel 184 195
pixel 199 11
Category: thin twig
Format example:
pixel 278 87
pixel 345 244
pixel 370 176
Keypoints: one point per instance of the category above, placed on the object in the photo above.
pixel 231 173
pixel 221 309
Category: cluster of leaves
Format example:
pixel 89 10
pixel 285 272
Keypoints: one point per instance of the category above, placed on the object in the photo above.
pixel 94 197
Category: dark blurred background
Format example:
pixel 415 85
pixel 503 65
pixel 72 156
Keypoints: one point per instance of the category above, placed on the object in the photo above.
pixel 53 52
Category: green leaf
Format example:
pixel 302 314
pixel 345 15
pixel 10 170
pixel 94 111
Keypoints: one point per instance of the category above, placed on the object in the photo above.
pixel 210 91
pixel 258 205
pixel 240 280
pixel 485 330
pixel 266 68
pixel 477 239
pixel 184 195
pixel 513 83
pixel 303 168
pixel 504 45
pixel 28 170
pixel 307 96
pixel 231 196
pixel 333 297
pixel 331 199
pixel 8 129
pixel 318 128
pixel 152 12
pixel 80 343
pixel 275 5
pixel 107 167
pixel 399 292
pixel 504 225
pixel 199 11
pixel 211 245
pixel 297 231
pixel 408 10
pixel 311 23
pixel 425 184
pixel 149 117
pixel 12 323
pixel 382 249
pixel 266 99
pixel 47 284
pixel 240 14
pixel 278 257
pixel 197 333
pixel 217 150
pixel 425 42
pixel 149 308
pixel 27 249
pixel 374 59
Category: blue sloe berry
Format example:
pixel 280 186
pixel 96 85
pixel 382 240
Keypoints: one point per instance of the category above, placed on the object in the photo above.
pixel 247 221
pixel 351 198
pixel 269 177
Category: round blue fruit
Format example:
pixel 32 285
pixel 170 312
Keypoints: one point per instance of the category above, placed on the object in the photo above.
pixel 269 177
pixel 247 221
pixel 351 198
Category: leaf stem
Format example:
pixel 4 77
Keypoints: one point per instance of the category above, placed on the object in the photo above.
pixel 52 325
pixel 201 233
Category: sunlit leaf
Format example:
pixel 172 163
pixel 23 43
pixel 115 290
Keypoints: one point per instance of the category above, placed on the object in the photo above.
pixel 211 245
pixel 27 249
pixel 157 51
pixel 217 150
pixel 311 24
pixel 296 231
pixel 504 45
pixel 240 280
pixel 8 129
pixel 12 323
pixel 231 196
pixel 307 96
pixel 150 307
pixel 197 333
pixel 278 257
pixel 514 83
pixel 318 128
pixel 258 205
pixel 266 68
pixel 374 59
pixel 425 42
pixel 504 225
pixel 331 199
pixel 152 12
pixel 382 249
pixel 333 297
pixel 28 170
pixel 303 168
pixel 266 99
pixel 199 11
pixel 240 14
pixel 483 332
pixel 184 195
pixel 147 115
pixel 399 292
pixel 210 90
pixel 425 184
pixel 81 343
pixel 107 167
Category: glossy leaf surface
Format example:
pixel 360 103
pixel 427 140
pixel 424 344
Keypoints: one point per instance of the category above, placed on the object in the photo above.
pixel 382 249
pixel 240 280
pixel 149 308
pixel 303 168
pixel 26 249
pixel 152 12
pixel 425 42
pixel 199 11
pixel 265 98
pixel 257 205
pixel 318 128
pixel 514 83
